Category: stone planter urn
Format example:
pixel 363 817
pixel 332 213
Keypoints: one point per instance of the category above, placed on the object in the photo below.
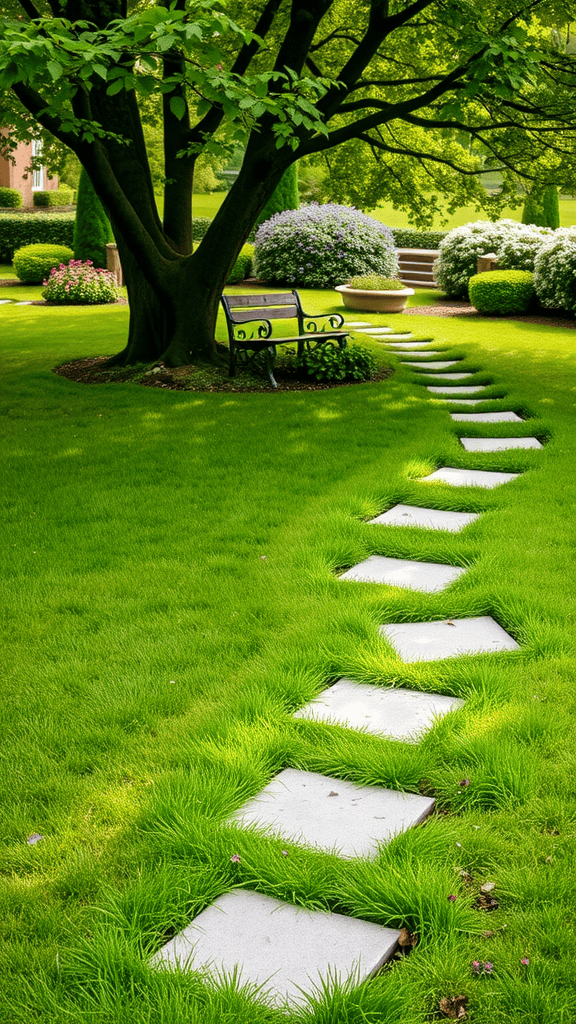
pixel 371 301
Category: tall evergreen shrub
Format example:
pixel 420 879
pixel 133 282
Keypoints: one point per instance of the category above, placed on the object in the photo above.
pixel 284 197
pixel 92 228
pixel 542 207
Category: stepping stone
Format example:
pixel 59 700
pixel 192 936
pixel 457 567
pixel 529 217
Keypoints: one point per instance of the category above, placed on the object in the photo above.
pixel 454 376
pixel 432 641
pixel 331 814
pixel 440 365
pixel 498 444
pixel 463 401
pixel 416 352
pixel 486 417
pixel 374 330
pixel 394 713
pixel 357 323
pixel 429 518
pixel 401 345
pixel 405 334
pixel 4 302
pixel 469 477
pixel 288 951
pixel 402 572
pixel 27 303
pixel 456 390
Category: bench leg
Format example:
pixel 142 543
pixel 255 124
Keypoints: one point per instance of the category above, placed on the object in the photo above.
pixel 270 354
pixel 233 360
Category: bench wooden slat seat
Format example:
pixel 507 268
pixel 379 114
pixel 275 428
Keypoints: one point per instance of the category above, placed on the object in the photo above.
pixel 259 311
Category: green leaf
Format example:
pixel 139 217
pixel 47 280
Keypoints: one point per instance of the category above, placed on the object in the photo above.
pixel 178 107
pixel 101 70
pixel 116 87
pixel 55 69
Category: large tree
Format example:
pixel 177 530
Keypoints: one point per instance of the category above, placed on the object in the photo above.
pixel 293 79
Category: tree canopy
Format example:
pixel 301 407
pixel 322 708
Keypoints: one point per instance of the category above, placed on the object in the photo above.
pixel 434 88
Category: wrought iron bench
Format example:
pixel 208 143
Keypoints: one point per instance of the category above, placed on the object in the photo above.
pixel 249 321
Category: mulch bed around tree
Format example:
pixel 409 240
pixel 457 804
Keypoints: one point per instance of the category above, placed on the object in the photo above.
pixel 456 307
pixel 194 378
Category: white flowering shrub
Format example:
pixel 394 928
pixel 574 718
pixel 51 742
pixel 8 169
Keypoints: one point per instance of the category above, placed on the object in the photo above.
pixel 320 246
pixel 519 250
pixel 555 271
pixel 459 251
pixel 80 284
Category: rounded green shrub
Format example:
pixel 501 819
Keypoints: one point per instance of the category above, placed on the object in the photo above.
pixel 243 266
pixel 33 263
pixel 22 228
pixel 502 291
pixel 11 197
pixel 92 229
pixel 555 271
pixel 515 245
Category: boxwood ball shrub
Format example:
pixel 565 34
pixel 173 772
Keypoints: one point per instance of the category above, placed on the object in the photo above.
pixel 502 291
pixel 80 284
pixel 10 197
pixel 459 251
pixel 33 263
pixel 320 246
pixel 555 271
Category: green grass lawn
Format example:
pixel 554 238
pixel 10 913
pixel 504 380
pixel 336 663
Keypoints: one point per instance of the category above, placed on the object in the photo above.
pixel 170 599
pixel 207 205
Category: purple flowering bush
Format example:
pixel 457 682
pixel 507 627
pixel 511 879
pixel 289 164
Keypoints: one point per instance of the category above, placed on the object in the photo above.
pixel 80 284
pixel 320 246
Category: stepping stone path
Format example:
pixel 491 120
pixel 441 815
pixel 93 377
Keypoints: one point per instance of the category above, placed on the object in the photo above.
pixel 394 713
pixel 469 477
pixel 432 641
pixel 440 365
pixel 485 417
pixel 498 444
pixel 285 949
pixel 288 950
pixel 453 376
pixel 332 815
pixel 402 572
pixel 428 518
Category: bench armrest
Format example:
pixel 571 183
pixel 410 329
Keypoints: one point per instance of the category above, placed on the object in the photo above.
pixel 250 330
pixel 322 322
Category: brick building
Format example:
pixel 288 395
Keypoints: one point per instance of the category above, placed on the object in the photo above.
pixel 12 175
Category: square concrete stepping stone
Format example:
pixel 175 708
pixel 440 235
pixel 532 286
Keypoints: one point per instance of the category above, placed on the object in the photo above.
pixel 394 713
pixel 486 417
pixel 429 518
pixel 416 352
pixel 331 814
pixel 438 365
pixel 469 477
pixel 287 950
pixel 374 330
pixel 498 444
pixel 454 376
pixel 4 302
pixel 402 572
pixel 405 334
pixel 468 390
pixel 463 401
pixel 357 323
pixel 400 345
pixel 432 641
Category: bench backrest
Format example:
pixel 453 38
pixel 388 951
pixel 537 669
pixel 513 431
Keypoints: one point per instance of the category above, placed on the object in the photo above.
pixel 240 309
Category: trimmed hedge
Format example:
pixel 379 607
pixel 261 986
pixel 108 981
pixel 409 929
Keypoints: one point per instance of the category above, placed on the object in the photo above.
pixel 19 229
pixel 502 291
pixel 62 196
pixel 200 226
pixel 10 197
pixel 33 263
pixel 410 238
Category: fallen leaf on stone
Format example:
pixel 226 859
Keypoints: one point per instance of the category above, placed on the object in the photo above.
pixel 487 887
pixel 333 793
pixel 448 622
pixel 454 1006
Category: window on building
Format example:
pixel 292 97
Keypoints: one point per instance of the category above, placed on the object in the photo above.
pixel 37 175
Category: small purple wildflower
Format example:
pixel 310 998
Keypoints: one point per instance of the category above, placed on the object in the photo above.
pixel 452 897
pixel 476 966
pixel 524 961
pixel 235 858
pixel 488 967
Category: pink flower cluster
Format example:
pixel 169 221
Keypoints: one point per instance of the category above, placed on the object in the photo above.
pixel 80 283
